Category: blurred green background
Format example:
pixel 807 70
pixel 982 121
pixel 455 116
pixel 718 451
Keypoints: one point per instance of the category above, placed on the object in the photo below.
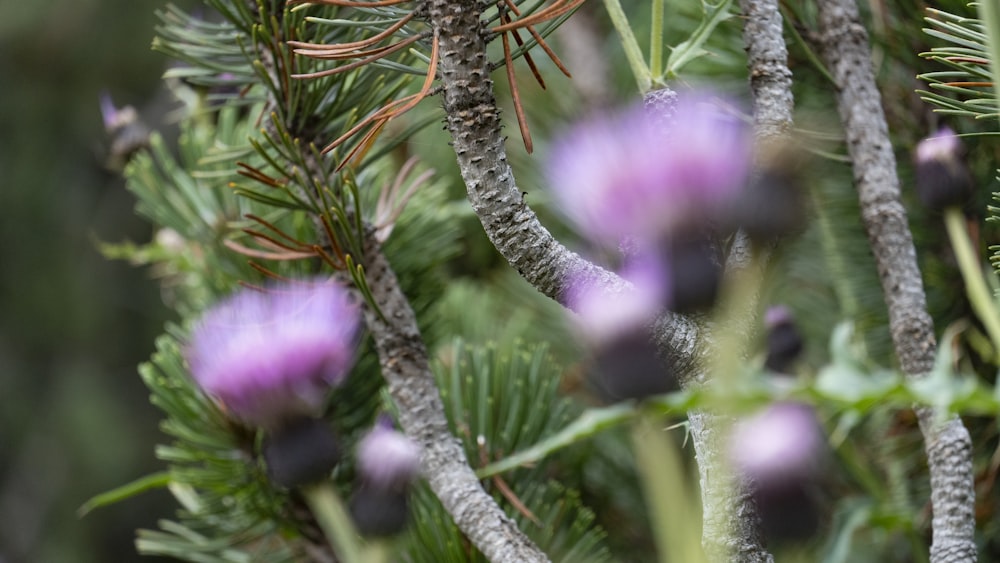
pixel 74 416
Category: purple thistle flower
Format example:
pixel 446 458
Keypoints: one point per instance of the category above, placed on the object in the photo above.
pixel 386 458
pixel 622 175
pixel 270 356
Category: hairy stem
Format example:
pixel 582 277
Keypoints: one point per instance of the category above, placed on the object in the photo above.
pixel 845 49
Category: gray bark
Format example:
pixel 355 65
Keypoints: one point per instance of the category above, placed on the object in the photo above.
pixel 411 384
pixel 844 47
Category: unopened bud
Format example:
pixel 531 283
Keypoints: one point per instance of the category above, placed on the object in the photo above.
pixel 784 343
pixel 943 179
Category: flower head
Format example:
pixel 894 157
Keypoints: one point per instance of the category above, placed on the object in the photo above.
pixel 781 443
pixel 782 451
pixel 943 178
pixel 386 458
pixel 627 175
pixel 615 326
pixel 270 356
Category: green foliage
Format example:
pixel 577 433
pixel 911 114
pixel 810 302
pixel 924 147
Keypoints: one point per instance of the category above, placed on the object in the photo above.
pixel 492 400
pixel 227 503
pixel 964 89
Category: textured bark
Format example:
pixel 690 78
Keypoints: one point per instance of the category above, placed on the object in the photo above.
pixel 844 46
pixel 767 60
pixel 405 367
pixel 731 524
pixel 473 120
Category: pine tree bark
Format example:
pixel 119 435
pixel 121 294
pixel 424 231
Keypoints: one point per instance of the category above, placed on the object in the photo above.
pixel 844 47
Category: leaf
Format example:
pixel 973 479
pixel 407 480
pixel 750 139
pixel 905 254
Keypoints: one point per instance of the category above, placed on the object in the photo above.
pixel 126 491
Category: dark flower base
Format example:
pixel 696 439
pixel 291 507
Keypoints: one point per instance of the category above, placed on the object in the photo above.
pixel 302 452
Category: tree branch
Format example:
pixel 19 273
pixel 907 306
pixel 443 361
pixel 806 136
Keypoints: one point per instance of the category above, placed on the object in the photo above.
pixel 844 47
pixel 731 529
pixel 405 367
pixel 473 120
pixel 407 373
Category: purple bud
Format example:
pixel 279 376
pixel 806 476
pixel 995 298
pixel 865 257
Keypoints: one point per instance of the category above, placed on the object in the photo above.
pixel 782 451
pixel 274 355
pixel 615 326
pixel 782 442
pixel 943 179
pixel 386 458
pixel 388 462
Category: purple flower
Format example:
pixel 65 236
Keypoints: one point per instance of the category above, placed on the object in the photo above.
pixel 943 178
pixel 625 362
pixel 602 316
pixel 270 356
pixel 782 443
pixel 620 176
pixel 386 458
pixel 782 450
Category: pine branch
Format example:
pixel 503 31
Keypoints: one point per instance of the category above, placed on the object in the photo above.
pixel 404 361
pixel 844 47
pixel 421 413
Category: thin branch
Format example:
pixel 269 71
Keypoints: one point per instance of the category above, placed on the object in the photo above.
pixel 844 47
pixel 406 369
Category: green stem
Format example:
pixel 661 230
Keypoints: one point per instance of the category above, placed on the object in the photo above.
pixel 656 41
pixel 668 496
pixel 968 263
pixel 632 50
pixel 333 519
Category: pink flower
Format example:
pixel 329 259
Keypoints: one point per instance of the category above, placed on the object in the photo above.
pixel 386 458
pixel 782 443
pixel 622 175
pixel 270 356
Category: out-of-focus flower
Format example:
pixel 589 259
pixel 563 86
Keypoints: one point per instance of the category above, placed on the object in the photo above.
pixel 128 133
pixel 943 178
pixel 268 357
pixel 615 327
pixel 784 343
pixel 782 450
pixel 386 458
pixel 627 175
pixel 388 462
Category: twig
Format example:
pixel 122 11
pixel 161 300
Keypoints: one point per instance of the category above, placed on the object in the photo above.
pixel 844 47
pixel 408 377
